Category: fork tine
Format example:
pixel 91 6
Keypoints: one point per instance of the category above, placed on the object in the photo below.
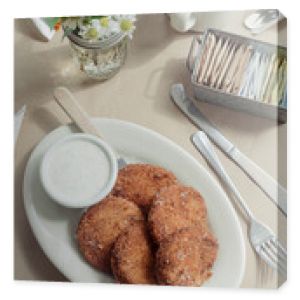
pixel 265 256
pixel 280 250
pixel 271 252
pixel 281 259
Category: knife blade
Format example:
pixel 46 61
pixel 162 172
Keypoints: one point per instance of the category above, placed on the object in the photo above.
pixel 263 180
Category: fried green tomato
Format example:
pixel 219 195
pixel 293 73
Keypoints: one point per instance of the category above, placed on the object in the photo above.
pixel 141 182
pixel 176 207
pixel 186 257
pixel 132 258
pixel 100 226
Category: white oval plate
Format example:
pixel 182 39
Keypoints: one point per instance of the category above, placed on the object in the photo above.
pixel 54 226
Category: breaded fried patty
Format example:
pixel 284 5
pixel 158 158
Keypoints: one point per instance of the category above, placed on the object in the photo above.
pixel 186 257
pixel 175 207
pixel 132 258
pixel 101 224
pixel 140 183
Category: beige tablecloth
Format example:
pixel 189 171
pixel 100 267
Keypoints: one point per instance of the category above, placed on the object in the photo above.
pixel 139 93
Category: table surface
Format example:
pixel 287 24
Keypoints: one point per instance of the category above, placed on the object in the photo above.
pixel 139 93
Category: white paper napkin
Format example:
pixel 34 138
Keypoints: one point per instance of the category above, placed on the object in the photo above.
pixel 43 28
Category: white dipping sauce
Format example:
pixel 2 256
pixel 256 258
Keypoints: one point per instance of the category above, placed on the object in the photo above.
pixel 77 170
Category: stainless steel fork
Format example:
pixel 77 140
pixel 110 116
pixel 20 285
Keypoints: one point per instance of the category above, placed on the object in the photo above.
pixel 262 239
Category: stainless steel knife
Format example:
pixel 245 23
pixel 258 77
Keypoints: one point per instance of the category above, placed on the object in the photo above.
pixel 263 180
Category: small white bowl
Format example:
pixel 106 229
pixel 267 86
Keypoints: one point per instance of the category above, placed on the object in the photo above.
pixel 78 170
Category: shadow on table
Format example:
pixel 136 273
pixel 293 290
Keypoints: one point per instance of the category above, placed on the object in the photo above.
pixel 44 71
pixel 153 34
pixel 162 78
pixel 36 73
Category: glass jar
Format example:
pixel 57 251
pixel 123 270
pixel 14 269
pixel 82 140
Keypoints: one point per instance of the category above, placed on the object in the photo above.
pixel 99 59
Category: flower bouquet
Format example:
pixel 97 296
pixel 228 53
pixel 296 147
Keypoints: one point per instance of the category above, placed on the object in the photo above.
pixel 98 43
pixel 97 28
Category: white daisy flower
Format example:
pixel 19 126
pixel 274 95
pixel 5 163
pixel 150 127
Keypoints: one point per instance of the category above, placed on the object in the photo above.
pixel 126 24
pixel 102 27
pixel 108 26
pixel 89 29
pixel 90 33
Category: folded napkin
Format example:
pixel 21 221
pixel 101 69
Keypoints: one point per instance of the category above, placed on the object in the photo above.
pixel 46 26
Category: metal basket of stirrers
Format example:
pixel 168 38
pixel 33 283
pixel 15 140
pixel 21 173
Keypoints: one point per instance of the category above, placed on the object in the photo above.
pixel 239 73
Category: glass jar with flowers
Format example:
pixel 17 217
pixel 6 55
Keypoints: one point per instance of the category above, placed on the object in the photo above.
pixel 99 43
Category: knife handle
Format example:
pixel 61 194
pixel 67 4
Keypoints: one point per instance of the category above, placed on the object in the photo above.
pixel 264 181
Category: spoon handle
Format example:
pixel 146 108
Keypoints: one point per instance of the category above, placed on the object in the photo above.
pixel 71 107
